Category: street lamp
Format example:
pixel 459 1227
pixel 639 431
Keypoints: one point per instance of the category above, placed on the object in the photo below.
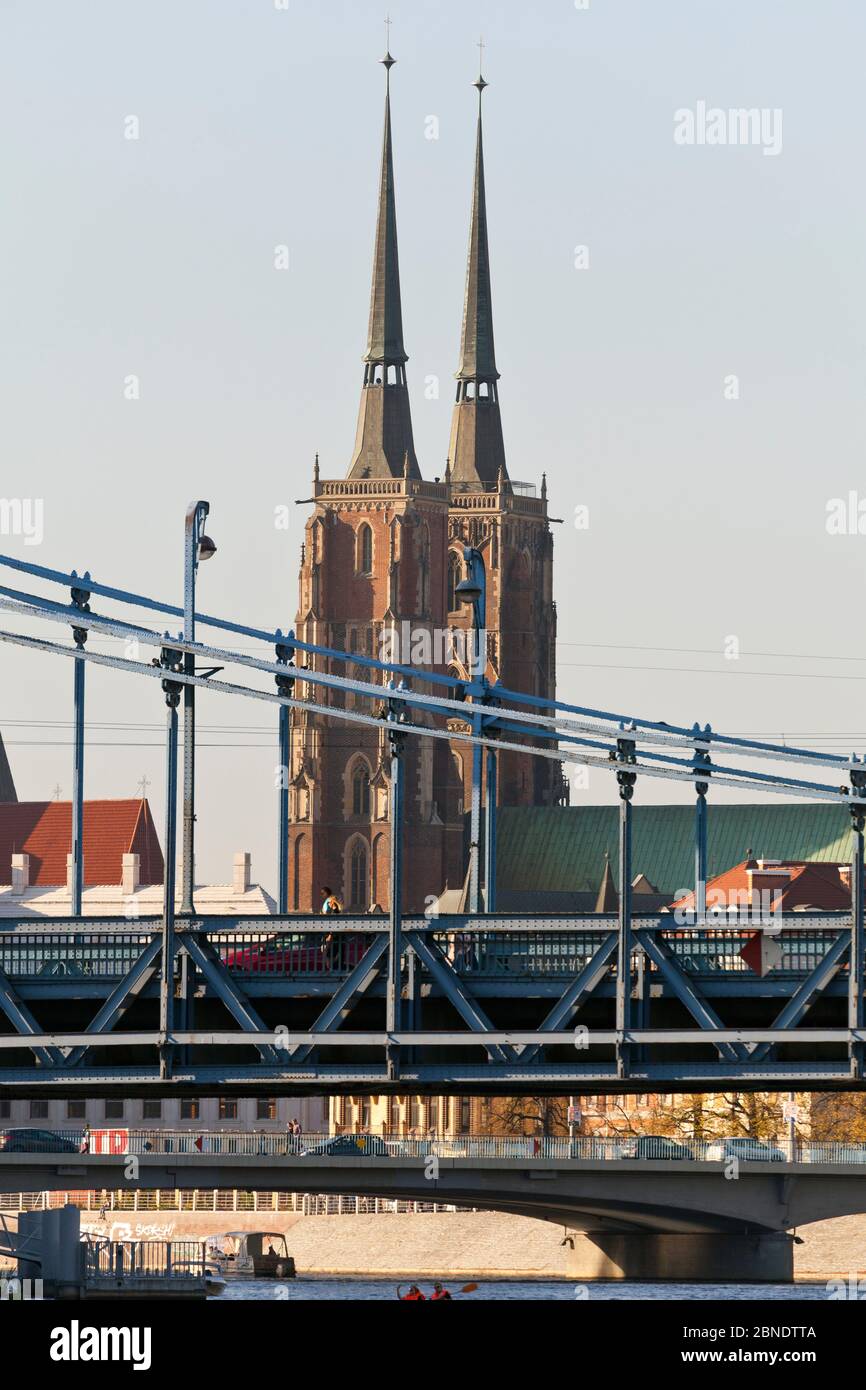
pixel 197 547
pixel 473 591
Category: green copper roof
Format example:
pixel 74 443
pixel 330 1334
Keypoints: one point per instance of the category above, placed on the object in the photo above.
pixel 562 848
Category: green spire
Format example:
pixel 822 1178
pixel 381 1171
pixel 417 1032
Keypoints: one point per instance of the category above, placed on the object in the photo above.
pixel 383 441
pixel 477 449
pixel 477 353
pixel 385 336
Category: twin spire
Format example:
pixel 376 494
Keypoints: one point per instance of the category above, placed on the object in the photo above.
pixel 384 445
pixel 385 337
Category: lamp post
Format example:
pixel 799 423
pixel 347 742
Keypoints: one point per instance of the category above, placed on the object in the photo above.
pixel 473 590
pixel 394 987
pixel 197 547
pixel 80 599
pixel 171 661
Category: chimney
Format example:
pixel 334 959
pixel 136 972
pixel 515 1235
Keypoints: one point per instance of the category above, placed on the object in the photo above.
pixel 20 873
pixel 241 874
pixel 129 881
pixel 70 873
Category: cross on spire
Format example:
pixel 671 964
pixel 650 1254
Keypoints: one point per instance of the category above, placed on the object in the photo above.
pixel 143 784
pixel 388 61
pixel 480 84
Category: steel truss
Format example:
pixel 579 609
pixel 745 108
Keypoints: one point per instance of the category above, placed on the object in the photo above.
pixel 419 963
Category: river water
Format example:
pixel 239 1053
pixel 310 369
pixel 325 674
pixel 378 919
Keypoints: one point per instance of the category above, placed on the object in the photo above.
pixel 533 1290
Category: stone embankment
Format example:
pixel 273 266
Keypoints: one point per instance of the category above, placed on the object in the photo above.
pixel 448 1243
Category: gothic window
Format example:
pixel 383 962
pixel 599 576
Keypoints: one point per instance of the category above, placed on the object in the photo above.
pixel 454 577
pixel 423 569
pixel 361 790
pixel 296 886
pixel 358 876
pixel 377 867
pixel 364 560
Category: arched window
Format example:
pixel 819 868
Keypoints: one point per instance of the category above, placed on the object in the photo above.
pixel 454 577
pixel 361 790
pixel 365 549
pixel 358 875
pixel 296 887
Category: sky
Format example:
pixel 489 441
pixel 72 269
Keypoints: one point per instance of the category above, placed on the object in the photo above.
pixel 680 329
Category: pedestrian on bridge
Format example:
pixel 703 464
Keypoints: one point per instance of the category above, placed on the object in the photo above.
pixel 331 907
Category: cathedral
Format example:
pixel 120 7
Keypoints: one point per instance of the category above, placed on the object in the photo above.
pixel 383 555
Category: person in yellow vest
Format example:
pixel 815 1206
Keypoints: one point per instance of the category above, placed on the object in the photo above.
pixel 331 906
pixel 331 903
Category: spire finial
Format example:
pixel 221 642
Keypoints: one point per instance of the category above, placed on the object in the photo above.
pixel 388 62
pixel 480 84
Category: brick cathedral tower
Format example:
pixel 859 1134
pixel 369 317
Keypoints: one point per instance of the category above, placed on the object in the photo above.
pixel 503 519
pixel 374 559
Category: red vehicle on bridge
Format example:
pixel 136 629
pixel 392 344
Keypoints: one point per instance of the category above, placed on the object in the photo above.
pixel 293 954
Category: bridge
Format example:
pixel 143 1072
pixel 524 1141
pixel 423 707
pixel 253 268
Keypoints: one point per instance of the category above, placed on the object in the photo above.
pixel 697 1217
pixel 505 1003
pixel 481 1002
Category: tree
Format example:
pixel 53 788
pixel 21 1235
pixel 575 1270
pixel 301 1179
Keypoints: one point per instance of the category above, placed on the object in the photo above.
pixel 534 1115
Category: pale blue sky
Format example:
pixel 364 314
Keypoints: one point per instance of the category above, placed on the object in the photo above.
pixel 260 127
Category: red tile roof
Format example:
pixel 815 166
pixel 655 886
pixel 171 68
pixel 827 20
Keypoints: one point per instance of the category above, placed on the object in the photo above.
pixel 785 884
pixel 43 829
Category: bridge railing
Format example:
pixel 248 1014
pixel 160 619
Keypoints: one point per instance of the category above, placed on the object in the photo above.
pixel 229 1145
pixel 143 1259
pixel 530 950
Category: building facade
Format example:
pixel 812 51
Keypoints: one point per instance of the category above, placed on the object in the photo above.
pixel 380 564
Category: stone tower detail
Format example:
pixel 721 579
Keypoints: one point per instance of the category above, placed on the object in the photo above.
pixel 503 519
pixel 373 566
pixel 382 556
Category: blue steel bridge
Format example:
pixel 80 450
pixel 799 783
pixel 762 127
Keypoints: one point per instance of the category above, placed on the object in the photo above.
pixel 475 1002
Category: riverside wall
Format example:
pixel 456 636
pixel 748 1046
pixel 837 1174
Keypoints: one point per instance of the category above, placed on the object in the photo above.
pixel 453 1244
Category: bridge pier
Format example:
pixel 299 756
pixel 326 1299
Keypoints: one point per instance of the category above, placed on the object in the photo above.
pixel 698 1257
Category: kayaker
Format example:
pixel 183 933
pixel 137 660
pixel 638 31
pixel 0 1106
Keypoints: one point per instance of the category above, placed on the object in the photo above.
pixel 413 1296
pixel 439 1291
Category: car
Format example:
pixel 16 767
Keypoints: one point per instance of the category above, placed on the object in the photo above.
pixel 654 1146
pixel 288 955
pixel 349 1146
pixel 34 1141
pixel 745 1148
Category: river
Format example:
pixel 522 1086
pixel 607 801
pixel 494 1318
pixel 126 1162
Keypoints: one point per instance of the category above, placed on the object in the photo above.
pixel 531 1290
